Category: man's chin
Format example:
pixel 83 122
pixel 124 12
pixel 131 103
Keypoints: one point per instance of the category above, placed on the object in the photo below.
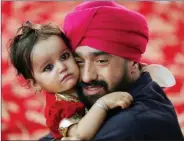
pixel 92 96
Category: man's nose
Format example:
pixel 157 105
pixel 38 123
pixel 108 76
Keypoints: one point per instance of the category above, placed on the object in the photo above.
pixel 89 73
pixel 61 67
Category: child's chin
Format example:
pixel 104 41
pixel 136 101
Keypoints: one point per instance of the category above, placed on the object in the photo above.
pixel 70 84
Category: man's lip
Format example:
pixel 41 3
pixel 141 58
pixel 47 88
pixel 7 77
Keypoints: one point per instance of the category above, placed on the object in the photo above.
pixel 91 90
pixel 65 77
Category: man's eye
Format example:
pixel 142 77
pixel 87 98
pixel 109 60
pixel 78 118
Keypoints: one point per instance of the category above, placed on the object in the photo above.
pixel 48 68
pixel 102 62
pixel 79 62
pixel 65 56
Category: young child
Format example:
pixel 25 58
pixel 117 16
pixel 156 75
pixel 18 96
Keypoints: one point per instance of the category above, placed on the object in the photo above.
pixel 41 54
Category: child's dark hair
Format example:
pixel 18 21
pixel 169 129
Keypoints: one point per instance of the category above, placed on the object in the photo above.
pixel 22 44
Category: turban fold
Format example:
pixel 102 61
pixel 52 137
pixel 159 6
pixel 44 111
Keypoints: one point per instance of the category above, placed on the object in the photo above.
pixel 109 27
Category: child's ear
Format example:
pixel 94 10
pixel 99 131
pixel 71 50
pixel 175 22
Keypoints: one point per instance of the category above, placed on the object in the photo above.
pixel 34 85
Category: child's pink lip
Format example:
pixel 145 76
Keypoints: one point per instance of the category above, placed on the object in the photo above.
pixel 65 77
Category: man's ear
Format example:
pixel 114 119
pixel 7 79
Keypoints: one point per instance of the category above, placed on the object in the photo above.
pixel 133 70
pixel 134 67
pixel 143 65
pixel 34 85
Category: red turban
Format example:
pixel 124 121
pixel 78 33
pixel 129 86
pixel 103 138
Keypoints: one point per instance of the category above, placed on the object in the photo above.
pixel 109 27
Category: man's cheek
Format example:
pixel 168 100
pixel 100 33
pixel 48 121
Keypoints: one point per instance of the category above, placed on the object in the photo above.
pixel 80 74
pixel 113 83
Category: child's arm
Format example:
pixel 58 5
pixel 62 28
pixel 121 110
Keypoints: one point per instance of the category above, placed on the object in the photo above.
pixel 91 122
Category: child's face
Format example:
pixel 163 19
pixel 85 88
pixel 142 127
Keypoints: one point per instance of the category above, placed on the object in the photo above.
pixel 54 67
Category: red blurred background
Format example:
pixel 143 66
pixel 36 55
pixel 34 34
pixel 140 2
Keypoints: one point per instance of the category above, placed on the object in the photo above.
pixel 22 109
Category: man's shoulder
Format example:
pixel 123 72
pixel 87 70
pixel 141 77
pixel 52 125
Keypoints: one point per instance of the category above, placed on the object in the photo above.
pixel 119 125
pixel 145 110
pixel 145 87
pixel 126 117
pixel 136 109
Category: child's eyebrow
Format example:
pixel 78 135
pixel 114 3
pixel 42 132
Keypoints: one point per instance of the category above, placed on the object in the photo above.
pixel 41 65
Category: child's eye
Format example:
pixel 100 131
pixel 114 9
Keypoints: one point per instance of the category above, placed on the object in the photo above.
pixel 65 56
pixel 49 67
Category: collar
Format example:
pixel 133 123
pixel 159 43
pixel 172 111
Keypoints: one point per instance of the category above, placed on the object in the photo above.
pixel 137 87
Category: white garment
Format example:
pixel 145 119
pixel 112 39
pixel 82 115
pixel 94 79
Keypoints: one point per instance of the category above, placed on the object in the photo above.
pixel 161 75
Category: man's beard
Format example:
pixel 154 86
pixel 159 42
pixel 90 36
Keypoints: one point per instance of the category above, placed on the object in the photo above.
pixel 88 100
pixel 122 85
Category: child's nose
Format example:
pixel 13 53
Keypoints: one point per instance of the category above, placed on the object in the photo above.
pixel 61 67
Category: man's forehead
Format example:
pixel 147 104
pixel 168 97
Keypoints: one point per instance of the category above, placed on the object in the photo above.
pixel 88 51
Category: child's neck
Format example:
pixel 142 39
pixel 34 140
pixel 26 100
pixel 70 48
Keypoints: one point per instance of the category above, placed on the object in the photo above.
pixel 69 92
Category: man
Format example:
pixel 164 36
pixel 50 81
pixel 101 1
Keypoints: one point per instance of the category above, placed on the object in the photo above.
pixel 108 41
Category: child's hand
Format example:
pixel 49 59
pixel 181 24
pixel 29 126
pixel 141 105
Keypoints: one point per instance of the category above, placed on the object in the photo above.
pixel 116 99
pixel 70 138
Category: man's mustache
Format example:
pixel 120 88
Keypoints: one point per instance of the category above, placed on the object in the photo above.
pixel 94 83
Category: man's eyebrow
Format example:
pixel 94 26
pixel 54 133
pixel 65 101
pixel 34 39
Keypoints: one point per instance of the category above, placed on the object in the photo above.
pixel 97 53
pixel 76 54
